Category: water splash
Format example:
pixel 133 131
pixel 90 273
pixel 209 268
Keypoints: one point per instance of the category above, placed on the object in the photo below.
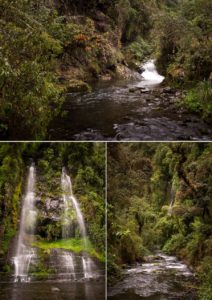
pixel 150 74
pixel 24 252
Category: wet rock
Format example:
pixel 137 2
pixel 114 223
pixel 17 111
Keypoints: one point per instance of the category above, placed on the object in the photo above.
pixel 106 77
pixel 126 73
pixel 77 86
pixel 151 258
pixel 144 90
pixel 55 289
pixel 169 90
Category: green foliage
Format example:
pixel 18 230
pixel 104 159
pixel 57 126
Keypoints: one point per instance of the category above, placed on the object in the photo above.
pixel 27 81
pixel 159 198
pixel 184 42
pixel 199 100
pixel 138 50
pixel 174 244
pixel 205 292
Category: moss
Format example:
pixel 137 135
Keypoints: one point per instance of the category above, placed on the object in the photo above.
pixel 9 234
pixel 7 269
pixel 94 69
pixel 77 86
pixel 75 245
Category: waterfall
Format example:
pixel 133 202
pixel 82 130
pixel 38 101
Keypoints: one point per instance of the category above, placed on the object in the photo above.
pixel 24 252
pixel 150 74
pixel 172 199
pixel 69 201
pixel 87 267
pixel 68 262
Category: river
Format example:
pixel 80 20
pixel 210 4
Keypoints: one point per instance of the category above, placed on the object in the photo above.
pixel 128 110
pixel 161 278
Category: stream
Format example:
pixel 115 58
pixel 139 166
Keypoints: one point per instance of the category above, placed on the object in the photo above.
pixel 138 110
pixel 162 277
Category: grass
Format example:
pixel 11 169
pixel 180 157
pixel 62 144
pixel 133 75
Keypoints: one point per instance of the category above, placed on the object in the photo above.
pixel 74 245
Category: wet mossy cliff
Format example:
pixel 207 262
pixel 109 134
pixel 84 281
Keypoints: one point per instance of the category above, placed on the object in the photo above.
pixel 85 164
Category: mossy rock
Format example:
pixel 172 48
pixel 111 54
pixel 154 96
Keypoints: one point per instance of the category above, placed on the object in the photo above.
pixel 77 86
pixel 94 69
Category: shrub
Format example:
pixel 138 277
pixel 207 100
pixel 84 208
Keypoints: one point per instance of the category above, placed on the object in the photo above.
pixel 199 99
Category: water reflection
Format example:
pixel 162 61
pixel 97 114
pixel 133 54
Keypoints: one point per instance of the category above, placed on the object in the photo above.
pixel 53 290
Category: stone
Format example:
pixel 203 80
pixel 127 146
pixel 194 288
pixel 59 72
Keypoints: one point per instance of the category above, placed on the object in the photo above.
pixel 74 85
pixel 169 90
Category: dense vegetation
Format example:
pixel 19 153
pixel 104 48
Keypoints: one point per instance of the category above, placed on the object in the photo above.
pixel 84 162
pixel 159 197
pixel 47 46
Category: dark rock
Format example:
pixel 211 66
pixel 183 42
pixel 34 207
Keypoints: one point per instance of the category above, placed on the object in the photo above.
pixel 169 90
pixel 144 90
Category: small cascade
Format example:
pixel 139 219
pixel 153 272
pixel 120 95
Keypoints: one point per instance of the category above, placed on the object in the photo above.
pixel 150 75
pixel 172 200
pixel 87 267
pixel 68 263
pixel 70 201
pixel 24 252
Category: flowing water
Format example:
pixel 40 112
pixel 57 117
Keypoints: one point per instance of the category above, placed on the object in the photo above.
pixel 150 75
pixel 162 278
pixel 70 200
pixel 123 110
pixel 25 254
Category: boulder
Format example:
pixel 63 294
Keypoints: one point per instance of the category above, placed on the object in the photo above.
pixel 74 85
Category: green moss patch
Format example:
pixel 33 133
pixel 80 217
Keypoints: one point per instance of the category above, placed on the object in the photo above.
pixel 75 245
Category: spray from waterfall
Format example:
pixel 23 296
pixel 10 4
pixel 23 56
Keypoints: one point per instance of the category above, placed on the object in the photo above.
pixel 70 201
pixel 24 252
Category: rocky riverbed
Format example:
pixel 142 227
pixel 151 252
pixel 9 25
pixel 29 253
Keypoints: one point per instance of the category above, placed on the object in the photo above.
pixel 123 110
pixel 161 277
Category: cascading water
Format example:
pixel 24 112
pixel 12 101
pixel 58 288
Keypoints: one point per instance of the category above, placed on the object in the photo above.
pixel 70 201
pixel 172 199
pixel 24 252
pixel 150 75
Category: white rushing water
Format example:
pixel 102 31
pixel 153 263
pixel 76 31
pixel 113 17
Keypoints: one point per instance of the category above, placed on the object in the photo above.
pixel 69 264
pixel 24 252
pixel 161 277
pixel 70 201
pixel 150 75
